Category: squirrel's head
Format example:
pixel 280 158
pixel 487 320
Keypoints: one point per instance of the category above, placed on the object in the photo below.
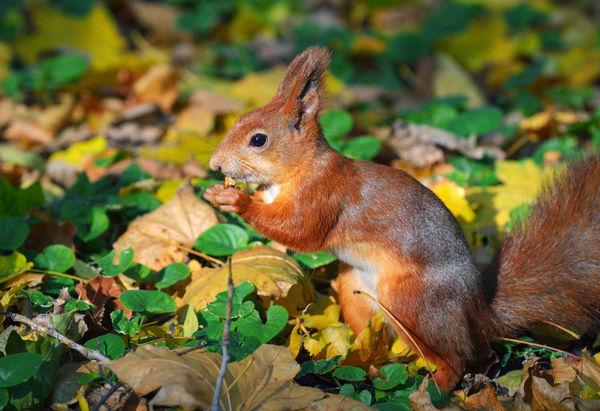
pixel 266 145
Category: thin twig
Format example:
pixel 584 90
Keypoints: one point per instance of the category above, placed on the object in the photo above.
pixel 214 406
pixel 106 396
pixel 43 329
pixel 547 347
pixel 184 248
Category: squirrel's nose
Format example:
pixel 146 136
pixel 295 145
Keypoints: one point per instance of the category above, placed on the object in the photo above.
pixel 215 163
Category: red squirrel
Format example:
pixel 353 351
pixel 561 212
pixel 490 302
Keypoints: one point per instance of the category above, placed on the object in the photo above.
pixel 398 242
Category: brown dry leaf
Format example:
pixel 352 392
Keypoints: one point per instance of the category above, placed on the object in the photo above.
pixel 562 371
pixel 484 399
pixel 155 236
pixel 263 380
pixel 102 290
pixel 421 145
pixel 548 397
pixel 275 275
pixel 420 400
pixel 27 132
pixel 159 85
pixel 159 18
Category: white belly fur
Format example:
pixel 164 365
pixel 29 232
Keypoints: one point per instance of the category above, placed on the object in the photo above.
pixel 366 273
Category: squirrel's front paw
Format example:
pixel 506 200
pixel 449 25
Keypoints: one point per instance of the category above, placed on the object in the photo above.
pixel 228 199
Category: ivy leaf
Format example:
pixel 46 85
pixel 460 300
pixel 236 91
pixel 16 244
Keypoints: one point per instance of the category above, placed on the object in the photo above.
pixel 315 260
pixel 13 232
pixel 318 367
pixel 392 375
pixel 18 368
pixel 349 373
pixel 362 148
pixel 109 268
pixel 108 344
pixel 222 239
pixel 57 257
pixel 172 274
pixel 148 301
pixel 121 324
pixel 476 121
pixel 336 124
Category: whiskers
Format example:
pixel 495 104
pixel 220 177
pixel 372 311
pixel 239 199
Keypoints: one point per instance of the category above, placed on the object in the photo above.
pixel 242 167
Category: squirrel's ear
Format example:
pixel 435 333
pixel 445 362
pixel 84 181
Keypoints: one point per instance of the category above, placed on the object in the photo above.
pixel 301 89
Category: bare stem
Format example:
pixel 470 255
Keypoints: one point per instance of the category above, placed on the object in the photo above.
pixel 214 406
pixel 43 329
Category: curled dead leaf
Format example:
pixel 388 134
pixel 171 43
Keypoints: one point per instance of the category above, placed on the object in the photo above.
pixel 157 237
pixel 275 275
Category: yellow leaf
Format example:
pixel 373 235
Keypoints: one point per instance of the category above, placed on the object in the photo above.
pixel 295 340
pixel 314 344
pixel 167 190
pixel 179 145
pixel 400 349
pixel 275 275
pixel 246 25
pixel 486 41
pixel 95 34
pixel 521 182
pixel 323 313
pixel 77 154
pixel 453 197
pixel 371 344
pixel 190 322
pixel 12 265
pixel 451 79
pixel 258 88
pixel 337 338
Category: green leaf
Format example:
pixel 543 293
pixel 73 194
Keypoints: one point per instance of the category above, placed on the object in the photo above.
pixel 567 146
pixel 3 398
pixel 252 326
pixel 13 232
pixel 363 396
pixel 349 373
pixel 121 324
pixel 98 224
pixel 110 345
pixel 222 239
pixel 37 298
pixel 74 305
pixel 109 268
pixel 336 124
pixel 172 274
pixel 318 367
pixel 18 368
pixel 439 398
pixel 57 257
pixel 15 202
pixel 392 375
pixel 315 260
pixel 362 148
pixel 148 301
pixel 476 121
pixel 13 264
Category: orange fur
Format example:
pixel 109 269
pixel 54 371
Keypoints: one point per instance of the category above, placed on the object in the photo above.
pixel 399 243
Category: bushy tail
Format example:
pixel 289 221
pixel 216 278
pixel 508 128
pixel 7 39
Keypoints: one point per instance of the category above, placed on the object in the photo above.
pixel 549 269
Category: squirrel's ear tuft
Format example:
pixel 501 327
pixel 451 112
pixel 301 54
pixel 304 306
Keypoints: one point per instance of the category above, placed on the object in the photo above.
pixel 301 89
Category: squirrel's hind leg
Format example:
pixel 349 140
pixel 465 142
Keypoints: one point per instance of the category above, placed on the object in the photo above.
pixel 356 309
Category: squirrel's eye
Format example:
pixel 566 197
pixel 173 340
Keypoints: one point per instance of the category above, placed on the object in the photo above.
pixel 258 140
